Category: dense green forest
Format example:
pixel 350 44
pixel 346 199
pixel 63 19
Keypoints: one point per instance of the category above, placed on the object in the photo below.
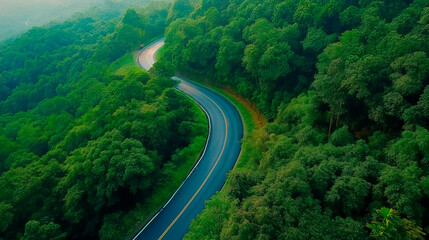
pixel 345 87
pixel 85 134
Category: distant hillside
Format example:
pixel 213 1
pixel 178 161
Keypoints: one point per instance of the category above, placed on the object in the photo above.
pixel 18 16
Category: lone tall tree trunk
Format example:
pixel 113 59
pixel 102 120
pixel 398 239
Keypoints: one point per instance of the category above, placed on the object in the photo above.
pixel 338 115
pixel 330 123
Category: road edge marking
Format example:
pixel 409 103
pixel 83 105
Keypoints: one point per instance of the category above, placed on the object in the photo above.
pixel 200 158
pixel 202 155
pixel 208 175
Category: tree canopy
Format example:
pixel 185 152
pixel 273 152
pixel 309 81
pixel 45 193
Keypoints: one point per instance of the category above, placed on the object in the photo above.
pixel 84 133
pixel 344 86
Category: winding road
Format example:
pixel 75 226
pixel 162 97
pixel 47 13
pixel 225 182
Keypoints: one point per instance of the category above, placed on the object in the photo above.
pixel 222 149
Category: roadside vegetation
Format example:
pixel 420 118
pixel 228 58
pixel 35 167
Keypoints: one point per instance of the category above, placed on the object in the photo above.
pixel 92 146
pixel 86 136
pixel 344 86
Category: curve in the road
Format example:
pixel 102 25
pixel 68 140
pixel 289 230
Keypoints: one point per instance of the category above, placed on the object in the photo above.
pixel 222 149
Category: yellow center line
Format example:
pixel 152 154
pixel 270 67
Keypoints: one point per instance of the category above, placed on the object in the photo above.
pixel 208 176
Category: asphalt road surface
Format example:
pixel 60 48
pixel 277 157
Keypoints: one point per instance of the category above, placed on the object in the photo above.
pixel 209 174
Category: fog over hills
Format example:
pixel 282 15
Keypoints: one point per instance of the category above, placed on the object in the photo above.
pixel 18 16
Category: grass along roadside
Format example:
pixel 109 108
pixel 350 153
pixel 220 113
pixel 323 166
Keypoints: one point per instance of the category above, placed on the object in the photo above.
pixel 253 121
pixel 124 65
pixel 159 52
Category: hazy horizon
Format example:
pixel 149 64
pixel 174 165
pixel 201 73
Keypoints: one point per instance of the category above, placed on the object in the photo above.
pixel 18 16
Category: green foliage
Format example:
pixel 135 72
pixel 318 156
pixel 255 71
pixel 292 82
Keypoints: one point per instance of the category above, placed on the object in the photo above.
pixel 344 85
pixel 37 231
pixel 415 66
pixel 316 40
pixel 240 183
pixel 387 224
pixel 218 212
pixel 341 137
pixel 85 133
pixel 347 195
pixel 7 216
pixel 172 175
pixel 402 190
pixel 179 9
pixel 132 19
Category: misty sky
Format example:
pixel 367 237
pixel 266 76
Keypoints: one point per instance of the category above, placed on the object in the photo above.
pixel 17 16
